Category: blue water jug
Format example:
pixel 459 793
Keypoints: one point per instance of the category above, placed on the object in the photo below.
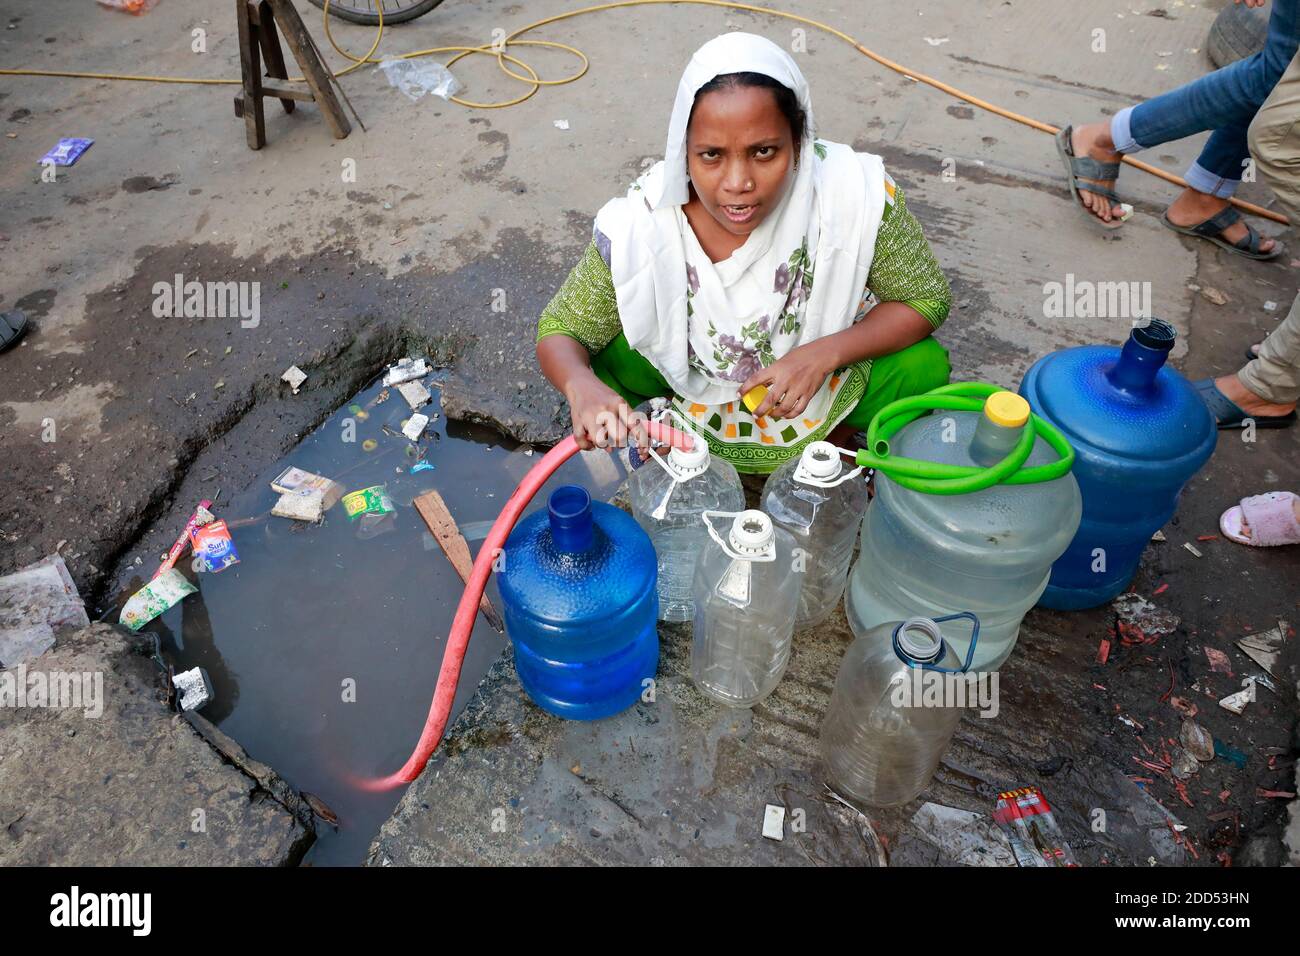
pixel 578 585
pixel 1140 432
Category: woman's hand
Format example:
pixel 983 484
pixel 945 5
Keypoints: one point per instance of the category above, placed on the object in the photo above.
pixel 601 418
pixel 792 380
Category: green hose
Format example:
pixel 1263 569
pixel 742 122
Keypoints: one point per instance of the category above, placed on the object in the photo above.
pixel 937 478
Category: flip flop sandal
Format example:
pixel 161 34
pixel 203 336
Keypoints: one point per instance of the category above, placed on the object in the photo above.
pixel 1079 168
pixel 1231 415
pixel 1271 517
pixel 1210 229
pixel 12 326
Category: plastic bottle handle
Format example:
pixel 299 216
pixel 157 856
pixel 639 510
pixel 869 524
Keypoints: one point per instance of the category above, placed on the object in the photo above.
pixel 804 478
pixel 662 460
pixel 768 554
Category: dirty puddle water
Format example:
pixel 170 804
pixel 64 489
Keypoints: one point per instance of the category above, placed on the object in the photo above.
pixel 316 614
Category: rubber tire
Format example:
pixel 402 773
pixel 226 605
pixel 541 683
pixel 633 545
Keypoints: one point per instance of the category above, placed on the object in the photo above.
pixel 343 12
pixel 1237 32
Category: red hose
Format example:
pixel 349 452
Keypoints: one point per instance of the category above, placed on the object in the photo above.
pixel 463 624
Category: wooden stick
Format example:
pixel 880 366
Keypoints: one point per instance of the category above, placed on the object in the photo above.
pixel 444 530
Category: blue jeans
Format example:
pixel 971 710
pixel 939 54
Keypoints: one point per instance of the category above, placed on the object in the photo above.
pixel 1224 101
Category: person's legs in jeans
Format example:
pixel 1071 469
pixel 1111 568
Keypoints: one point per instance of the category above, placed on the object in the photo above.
pixel 1270 385
pixel 1224 101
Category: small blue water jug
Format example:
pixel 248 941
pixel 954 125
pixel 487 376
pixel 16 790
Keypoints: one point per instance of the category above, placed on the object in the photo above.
pixel 1140 432
pixel 578 585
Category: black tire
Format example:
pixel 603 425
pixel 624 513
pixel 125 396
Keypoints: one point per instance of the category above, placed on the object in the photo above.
pixel 395 11
pixel 1237 32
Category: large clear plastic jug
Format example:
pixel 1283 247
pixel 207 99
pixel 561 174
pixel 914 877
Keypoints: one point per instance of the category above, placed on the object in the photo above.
pixel 745 600
pixel 668 494
pixel 578 593
pixel 820 502
pixel 888 724
pixel 988 551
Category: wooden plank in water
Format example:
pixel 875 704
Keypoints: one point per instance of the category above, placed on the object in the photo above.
pixel 444 530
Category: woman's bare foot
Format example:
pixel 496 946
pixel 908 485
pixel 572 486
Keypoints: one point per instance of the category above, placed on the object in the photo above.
pixel 1192 208
pixel 1246 400
pixel 1093 140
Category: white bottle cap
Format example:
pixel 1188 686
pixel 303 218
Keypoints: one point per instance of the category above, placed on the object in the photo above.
pixel 751 532
pixel 920 639
pixel 688 464
pixel 820 460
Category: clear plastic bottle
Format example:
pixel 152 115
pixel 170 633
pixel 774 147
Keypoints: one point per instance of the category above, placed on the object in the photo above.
pixel 820 502
pixel 989 551
pixel 745 599
pixel 879 746
pixel 668 497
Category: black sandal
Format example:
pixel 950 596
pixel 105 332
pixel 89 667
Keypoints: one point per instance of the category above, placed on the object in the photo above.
pixel 1211 228
pixel 12 326
pixel 1078 169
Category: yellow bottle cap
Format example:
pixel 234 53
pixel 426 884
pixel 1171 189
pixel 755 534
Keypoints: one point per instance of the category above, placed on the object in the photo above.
pixel 1006 409
pixel 754 397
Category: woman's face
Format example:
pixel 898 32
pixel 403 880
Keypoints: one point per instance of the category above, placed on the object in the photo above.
pixel 739 153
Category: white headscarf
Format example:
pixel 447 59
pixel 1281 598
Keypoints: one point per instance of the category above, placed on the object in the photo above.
pixel 706 325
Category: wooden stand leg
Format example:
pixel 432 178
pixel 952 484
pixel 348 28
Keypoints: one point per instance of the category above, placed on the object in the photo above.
pixel 271 49
pixel 295 34
pixel 251 65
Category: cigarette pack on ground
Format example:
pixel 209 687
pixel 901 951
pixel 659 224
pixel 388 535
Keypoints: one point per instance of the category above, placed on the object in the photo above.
pixel 307 505
pixel 160 594
pixel 1026 818
pixel 214 549
pixel 296 480
pixel 67 151
pixel 368 501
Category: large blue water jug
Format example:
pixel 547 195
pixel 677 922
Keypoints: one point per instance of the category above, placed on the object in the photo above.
pixel 1139 432
pixel 578 585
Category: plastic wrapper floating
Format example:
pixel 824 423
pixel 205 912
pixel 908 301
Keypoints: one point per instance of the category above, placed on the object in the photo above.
pixel 163 592
pixel 214 549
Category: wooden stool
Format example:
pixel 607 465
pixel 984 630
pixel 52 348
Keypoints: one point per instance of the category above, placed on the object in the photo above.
pixel 257 38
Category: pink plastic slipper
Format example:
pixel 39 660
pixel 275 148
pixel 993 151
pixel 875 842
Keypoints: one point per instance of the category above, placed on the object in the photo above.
pixel 1271 517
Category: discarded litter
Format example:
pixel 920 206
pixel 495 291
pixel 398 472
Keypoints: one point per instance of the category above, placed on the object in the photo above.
pixel 1026 818
pixel 561 124
pixel 1139 621
pixel 969 839
pixel 135 7
pixel 1265 648
pixel 373 525
pixel 1197 741
pixel 194 688
pixel 67 151
pixel 33 602
pixel 305 505
pixel 421 465
pixel 1214 295
pixel 1237 702
pixel 1159 536
pixel 1270 306
pixel 935 41
pixel 373 500
pixel 201 516
pixel 1196 552
pixel 415 394
pixel 406 370
pixel 416 78
pixel 1184 765
pixel 369 445
pixel 414 426
pixel 774 822
pixel 295 377
pixel 165 591
pixel 214 548
pixel 1219 662
pixel 298 481
pixel 1230 754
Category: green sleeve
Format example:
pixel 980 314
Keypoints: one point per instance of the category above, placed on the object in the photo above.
pixel 585 308
pixel 904 268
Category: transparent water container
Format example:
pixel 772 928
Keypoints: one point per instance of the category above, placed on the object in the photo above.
pixel 885 731
pixel 746 596
pixel 668 494
pixel 820 502
pixel 988 551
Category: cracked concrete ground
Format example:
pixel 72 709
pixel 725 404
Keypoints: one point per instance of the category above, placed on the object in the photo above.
pixel 450 205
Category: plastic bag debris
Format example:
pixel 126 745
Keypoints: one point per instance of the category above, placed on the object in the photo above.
pixel 373 525
pixel 201 516
pixel 214 548
pixel 1026 818
pixel 774 822
pixel 193 689
pixel 969 839
pixel 163 592
pixel 134 7
pixel 421 465
pixel 1141 622
pixel 1265 648
pixel 295 377
pixel 415 78
pixel 299 481
pixel 33 602
pixel 414 393
pixel 1236 703
pixel 373 500
pixel 66 152
pixel 1198 741
pixel 406 370
pixel 561 124
pixel 305 505
pixel 414 426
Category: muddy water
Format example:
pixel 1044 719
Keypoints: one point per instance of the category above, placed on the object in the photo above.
pixel 313 610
